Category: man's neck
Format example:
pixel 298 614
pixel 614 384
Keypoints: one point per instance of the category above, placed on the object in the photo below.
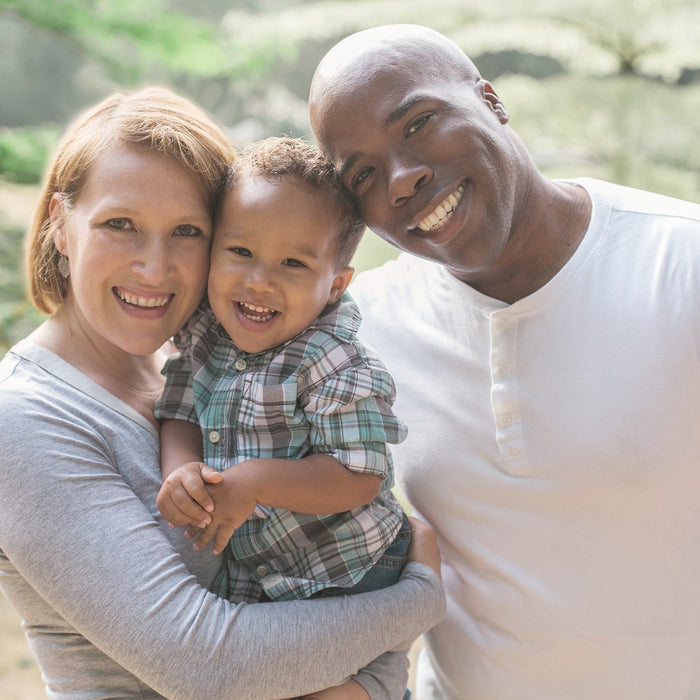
pixel 552 224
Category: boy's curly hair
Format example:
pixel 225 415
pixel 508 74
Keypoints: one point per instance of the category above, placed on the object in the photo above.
pixel 279 156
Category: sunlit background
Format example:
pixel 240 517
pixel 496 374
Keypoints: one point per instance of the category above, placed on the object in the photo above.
pixel 606 88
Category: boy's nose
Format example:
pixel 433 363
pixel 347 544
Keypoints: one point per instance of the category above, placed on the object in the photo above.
pixel 259 279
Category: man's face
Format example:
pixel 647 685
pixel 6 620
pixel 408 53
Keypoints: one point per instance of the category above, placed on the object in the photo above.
pixel 426 155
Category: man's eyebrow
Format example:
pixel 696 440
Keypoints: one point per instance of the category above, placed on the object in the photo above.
pixel 396 115
pixel 347 165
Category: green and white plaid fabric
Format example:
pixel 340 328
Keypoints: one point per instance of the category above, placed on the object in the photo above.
pixel 321 392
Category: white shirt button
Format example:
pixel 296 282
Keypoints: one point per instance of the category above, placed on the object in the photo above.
pixel 500 371
pixel 500 324
pixel 240 364
pixel 504 421
pixel 261 570
pixel 214 436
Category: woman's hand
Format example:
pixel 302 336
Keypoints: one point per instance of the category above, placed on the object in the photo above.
pixel 424 547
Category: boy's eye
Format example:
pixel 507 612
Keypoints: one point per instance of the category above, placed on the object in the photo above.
pixel 243 252
pixel 293 262
pixel 188 231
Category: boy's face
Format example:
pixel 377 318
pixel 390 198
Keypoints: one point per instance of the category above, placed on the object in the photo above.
pixel 273 267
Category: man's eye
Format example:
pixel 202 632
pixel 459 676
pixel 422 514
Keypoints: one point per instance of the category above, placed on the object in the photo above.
pixel 188 231
pixel 417 124
pixel 120 223
pixel 360 177
pixel 293 262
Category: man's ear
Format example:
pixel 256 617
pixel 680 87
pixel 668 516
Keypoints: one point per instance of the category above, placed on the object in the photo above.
pixel 340 284
pixel 490 96
pixel 57 217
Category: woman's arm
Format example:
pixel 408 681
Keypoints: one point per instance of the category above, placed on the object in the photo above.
pixel 84 541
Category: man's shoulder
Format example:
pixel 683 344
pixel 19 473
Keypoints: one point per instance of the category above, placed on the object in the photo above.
pixel 631 200
pixel 396 280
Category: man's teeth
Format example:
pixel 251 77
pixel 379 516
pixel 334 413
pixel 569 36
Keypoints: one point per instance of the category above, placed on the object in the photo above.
pixel 256 313
pixel 442 212
pixel 146 302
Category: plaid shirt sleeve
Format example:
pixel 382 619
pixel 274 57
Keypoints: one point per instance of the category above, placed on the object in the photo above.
pixel 177 399
pixel 350 415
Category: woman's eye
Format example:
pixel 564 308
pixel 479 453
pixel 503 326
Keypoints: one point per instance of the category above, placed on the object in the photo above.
pixel 188 231
pixel 293 262
pixel 120 224
pixel 417 124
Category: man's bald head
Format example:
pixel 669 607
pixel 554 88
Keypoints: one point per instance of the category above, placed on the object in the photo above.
pixel 404 47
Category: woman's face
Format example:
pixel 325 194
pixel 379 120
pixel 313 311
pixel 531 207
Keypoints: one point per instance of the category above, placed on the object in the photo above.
pixel 138 241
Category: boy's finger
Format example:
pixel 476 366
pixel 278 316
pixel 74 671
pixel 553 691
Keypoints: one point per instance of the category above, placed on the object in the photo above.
pixel 223 535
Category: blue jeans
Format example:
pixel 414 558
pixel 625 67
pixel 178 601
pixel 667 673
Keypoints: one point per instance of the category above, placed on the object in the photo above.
pixel 385 572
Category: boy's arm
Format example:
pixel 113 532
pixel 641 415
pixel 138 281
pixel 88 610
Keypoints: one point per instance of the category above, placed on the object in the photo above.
pixel 180 442
pixel 315 485
pixel 183 498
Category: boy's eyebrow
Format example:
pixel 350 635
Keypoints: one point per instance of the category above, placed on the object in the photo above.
pixel 247 237
pixel 308 252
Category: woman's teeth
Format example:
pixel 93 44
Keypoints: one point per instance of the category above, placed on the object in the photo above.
pixel 442 212
pixel 145 302
pixel 256 313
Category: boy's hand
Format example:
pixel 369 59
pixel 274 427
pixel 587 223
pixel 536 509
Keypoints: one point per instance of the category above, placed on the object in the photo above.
pixel 424 546
pixel 234 501
pixel 183 498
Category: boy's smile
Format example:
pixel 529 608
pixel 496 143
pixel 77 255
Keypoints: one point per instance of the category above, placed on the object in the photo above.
pixel 273 266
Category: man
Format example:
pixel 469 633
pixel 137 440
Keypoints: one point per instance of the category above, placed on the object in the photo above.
pixel 545 340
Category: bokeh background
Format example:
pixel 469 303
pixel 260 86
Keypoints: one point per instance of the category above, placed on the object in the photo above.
pixel 605 88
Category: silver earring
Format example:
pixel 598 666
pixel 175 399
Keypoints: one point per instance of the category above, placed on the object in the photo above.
pixel 64 266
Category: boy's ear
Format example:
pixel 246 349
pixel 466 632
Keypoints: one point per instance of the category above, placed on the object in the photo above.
pixel 340 284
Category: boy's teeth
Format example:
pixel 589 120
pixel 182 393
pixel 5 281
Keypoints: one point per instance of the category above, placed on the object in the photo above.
pixel 256 313
pixel 257 309
pixel 442 212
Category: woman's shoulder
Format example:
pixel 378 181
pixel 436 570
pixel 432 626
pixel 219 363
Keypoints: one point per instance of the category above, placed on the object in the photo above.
pixel 38 388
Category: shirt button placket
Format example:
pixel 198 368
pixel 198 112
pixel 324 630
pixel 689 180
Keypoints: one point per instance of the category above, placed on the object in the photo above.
pixel 504 397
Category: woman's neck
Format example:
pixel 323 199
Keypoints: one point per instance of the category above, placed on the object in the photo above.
pixel 135 379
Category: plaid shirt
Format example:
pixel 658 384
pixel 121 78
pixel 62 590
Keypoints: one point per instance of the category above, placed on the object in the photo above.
pixel 321 392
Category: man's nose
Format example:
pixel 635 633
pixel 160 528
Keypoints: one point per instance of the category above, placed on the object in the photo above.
pixel 406 176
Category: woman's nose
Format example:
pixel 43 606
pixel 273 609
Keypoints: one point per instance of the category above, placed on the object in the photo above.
pixel 154 260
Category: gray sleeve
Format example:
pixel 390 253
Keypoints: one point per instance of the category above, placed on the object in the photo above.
pixel 386 677
pixel 90 549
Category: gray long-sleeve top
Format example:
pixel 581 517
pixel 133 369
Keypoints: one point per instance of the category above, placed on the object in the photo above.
pixel 112 598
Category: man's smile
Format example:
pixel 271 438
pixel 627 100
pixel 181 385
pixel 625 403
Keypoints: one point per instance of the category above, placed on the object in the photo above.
pixel 442 212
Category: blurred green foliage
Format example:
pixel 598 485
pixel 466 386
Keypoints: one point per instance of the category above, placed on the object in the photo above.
pixel 24 152
pixel 605 88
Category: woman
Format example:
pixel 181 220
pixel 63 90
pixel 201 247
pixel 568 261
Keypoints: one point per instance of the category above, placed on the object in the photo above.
pixel 113 601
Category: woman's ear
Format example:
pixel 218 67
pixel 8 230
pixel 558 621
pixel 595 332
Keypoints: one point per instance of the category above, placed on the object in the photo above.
pixel 340 284
pixel 57 217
